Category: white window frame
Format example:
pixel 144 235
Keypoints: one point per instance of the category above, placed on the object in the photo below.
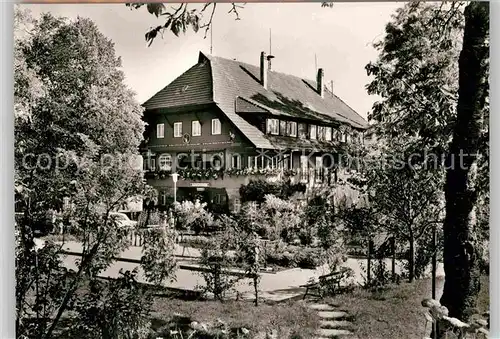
pixel 320 133
pixel 273 126
pixel 304 136
pixel 160 131
pixel 236 164
pixel 167 158
pixel 195 128
pixel 291 128
pixel 216 127
pixel 252 161
pixel 328 133
pixel 313 136
pixel 304 167
pixel 178 129
pixel 319 167
pixel 283 128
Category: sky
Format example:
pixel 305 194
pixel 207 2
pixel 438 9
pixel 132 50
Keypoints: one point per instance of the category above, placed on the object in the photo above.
pixel 303 35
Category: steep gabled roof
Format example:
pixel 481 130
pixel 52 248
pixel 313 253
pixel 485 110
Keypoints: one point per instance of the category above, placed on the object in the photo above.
pixel 235 87
pixel 192 87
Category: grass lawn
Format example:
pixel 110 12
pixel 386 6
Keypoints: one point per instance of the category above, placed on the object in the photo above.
pixel 286 318
pixel 396 312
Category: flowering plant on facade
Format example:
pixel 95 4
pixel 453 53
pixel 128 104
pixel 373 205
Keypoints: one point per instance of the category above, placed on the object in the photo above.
pixel 163 174
pixel 252 171
pixel 200 173
pixel 213 174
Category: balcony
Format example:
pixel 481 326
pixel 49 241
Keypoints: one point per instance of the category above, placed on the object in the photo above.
pixel 234 177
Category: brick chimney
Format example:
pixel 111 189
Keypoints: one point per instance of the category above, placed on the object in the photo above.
pixel 263 69
pixel 320 82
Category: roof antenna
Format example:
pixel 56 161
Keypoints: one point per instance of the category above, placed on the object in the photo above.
pixel 270 56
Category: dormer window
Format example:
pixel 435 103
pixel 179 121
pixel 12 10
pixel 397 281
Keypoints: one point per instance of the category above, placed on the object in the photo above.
pixel 302 130
pixel 272 126
pixel 291 129
pixel 328 133
pixel 321 133
pixel 312 132
pixel 283 124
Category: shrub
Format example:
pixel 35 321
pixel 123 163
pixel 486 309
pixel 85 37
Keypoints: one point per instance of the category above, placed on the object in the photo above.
pixel 197 241
pixel 308 258
pixel 256 190
pixel 193 216
pixel 293 256
pixel 215 260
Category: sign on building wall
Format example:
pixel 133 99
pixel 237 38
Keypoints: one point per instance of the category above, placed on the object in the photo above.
pixel 200 184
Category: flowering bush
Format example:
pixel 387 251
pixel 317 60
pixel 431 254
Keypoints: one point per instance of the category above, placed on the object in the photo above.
pixel 193 216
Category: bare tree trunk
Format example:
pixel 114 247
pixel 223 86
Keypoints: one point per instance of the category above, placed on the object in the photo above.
pixel 461 263
pixel 256 288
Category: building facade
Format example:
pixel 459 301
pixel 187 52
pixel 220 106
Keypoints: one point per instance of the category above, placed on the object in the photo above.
pixel 223 123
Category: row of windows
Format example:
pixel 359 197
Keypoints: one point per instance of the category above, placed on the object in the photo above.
pixel 165 162
pixel 304 131
pixel 195 129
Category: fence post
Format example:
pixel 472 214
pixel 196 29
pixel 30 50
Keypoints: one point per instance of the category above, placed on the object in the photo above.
pixel 369 268
pixel 393 245
pixel 434 260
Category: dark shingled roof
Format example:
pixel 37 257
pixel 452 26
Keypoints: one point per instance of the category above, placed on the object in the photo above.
pixel 235 87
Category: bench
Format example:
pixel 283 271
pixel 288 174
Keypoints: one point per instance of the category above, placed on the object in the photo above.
pixel 330 281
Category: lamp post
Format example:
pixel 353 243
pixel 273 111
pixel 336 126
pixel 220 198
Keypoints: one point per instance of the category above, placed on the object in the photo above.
pixel 175 177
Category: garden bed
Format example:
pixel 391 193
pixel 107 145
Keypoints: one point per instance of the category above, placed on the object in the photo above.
pixel 283 319
pixel 279 257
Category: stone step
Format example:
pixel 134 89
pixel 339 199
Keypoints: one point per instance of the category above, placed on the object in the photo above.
pixel 332 333
pixel 334 323
pixel 332 314
pixel 321 307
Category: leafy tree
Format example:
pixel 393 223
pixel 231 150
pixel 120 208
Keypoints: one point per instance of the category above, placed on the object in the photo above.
pixel 77 129
pixel 404 201
pixel 115 309
pixel 217 257
pixel 183 17
pixel 415 76
pixel 461 264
